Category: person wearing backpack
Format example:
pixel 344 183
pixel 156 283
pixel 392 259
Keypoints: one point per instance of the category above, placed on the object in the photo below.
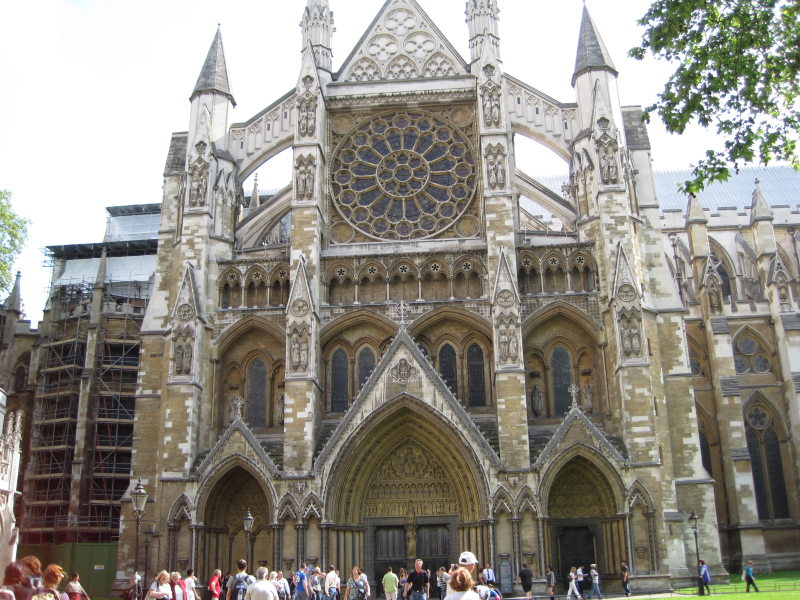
pixel 238 584
pixel 51 577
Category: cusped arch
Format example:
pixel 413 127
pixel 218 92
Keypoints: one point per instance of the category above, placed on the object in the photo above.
pixel 502 503
pixel 378 437
pixel 526 501
pixel 181 510
pixel 613 487
pixel 353 319
pixel 556 308
pixel 311 508
pixel 231 334
pixel 224 467
pixel 468 318
pixel 639 495
pixel 287 509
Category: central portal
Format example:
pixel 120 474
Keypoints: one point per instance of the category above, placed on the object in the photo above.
pixel 397 543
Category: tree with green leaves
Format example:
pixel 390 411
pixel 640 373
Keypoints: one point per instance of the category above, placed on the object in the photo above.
pixel 13 233
pixel 737 71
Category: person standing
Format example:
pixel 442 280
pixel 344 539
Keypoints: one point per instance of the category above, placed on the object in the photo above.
pixel 390 584
pixel 595 582
pixel 316 583
pixel 418 583
pixel 74 588
pixel 488 574
pixel 282 587
pixel 262 589
pixel 526 579
pixel 357 586
pixel 331 586
pixel 301 587
pixel 238 584
pixel 749 577
pixel 442 579
pixel 191 585
pixel 214 585
pixel 705 577
pixel 550 581
pixel 178 587
pixel 159 589
pixel 625 574
pixel 579 579
pixel 467 560
pixel 461 584
pixel 573 588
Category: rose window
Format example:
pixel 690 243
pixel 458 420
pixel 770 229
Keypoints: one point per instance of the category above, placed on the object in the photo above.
pixel 403 176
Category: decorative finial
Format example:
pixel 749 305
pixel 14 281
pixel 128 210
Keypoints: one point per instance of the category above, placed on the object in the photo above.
pixel 400 312
pixel 573 391
pixel 238 403
pixel 218 27
pixel 758 182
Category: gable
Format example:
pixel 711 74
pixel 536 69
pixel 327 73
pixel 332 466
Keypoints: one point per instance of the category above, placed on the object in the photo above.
pixel 401 43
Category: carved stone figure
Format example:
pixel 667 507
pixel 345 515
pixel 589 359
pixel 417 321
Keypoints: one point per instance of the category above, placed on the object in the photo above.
pixel 307 116
pixel 502 343
pixel 178 359
pixel 513 347
pixel 715 298
pixel 491 107
pixel 587 398
pixel 197 190
pixel 294 350
pixel 303 354
pixel 278 416
pixel 609 172
pixel 538 401
pixel 187 359
pixel 236 407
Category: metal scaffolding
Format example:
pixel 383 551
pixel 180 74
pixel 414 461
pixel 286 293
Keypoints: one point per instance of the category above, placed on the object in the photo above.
pixel 84 405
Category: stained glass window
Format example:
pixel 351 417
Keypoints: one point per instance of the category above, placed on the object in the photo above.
pixel 256 393
pixel 366 364
pixel 447 367
pixel 562 379
pixel 339 378
pixel 475 376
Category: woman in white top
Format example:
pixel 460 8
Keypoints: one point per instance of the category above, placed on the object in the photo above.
pixel 573 589
pixel 160 589
pixel 460 585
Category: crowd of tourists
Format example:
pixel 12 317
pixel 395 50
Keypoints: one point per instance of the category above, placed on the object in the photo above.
pixel 24 579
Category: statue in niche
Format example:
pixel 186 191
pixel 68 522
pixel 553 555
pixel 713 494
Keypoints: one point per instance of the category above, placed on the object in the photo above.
pixel 513 347
pixel 609 172
pixel 715 298
pixel 197 190
pixel 306 119
pixel 178 365
pixel 501 172
pixel 538 401
pixel 587 398
pixel 783 294
pixel 491 171
pixel 503 347
pixel 278 416
pixel 294 351
pixel 491 107
pixel 187 359
pixel 303 354
pixel 305 180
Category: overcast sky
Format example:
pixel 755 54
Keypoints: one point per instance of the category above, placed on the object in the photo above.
pixel 93 89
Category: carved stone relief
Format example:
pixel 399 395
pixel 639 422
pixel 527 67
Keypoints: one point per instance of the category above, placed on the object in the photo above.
pixel 403 371
pixel 305 169
pixel 198 184
pixel 496 166
pixel 307 114
pixel 183 351
pixel 630 333
pixel 490 100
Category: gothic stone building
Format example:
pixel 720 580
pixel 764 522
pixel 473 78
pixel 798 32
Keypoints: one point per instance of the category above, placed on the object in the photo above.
pixel 392 358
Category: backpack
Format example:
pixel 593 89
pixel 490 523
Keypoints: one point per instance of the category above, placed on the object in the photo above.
pixel 239 587
pixel 46 594
pixel 361 590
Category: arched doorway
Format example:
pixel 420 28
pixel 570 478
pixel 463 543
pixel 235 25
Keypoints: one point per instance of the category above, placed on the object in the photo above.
pixel 585 525
pixel 222 537
pixel 406 487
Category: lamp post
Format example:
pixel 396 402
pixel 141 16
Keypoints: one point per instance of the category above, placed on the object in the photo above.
pixel 148 538
pixel 139 498
pixel 247 523
pixel 693 518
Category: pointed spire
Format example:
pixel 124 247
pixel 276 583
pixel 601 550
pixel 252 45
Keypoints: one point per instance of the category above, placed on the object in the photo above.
pixel 214 74
pixel 694 212
pixel 14 300
pixel 254 196
pixel 759 209
pixel 317 26
pixel 592 53
pixel 482 17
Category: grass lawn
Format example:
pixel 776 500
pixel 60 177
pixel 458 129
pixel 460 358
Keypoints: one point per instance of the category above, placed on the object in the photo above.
pixel 787 583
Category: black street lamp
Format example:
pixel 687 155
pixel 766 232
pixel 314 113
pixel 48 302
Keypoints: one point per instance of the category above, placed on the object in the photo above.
pixel 693 518
pixel 247 523
pixel 139 498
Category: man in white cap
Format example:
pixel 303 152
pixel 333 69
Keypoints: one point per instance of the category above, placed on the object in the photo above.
pixel 595 591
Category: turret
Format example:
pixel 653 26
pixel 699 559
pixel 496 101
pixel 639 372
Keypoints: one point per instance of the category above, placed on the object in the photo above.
pixel 594 75
pixel 317 25
pixel 482 25
pixel 210 98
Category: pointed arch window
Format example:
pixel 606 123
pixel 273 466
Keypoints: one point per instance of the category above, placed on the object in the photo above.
pixel 705 453
pixel 366 364
pixel 447 367
pixel 562 379
pixel 476 376
pixel 766 462
pixel 339 378
pixel 256 393
pixel 722 270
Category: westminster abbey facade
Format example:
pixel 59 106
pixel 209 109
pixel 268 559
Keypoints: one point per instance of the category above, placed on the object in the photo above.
pixel 394 357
